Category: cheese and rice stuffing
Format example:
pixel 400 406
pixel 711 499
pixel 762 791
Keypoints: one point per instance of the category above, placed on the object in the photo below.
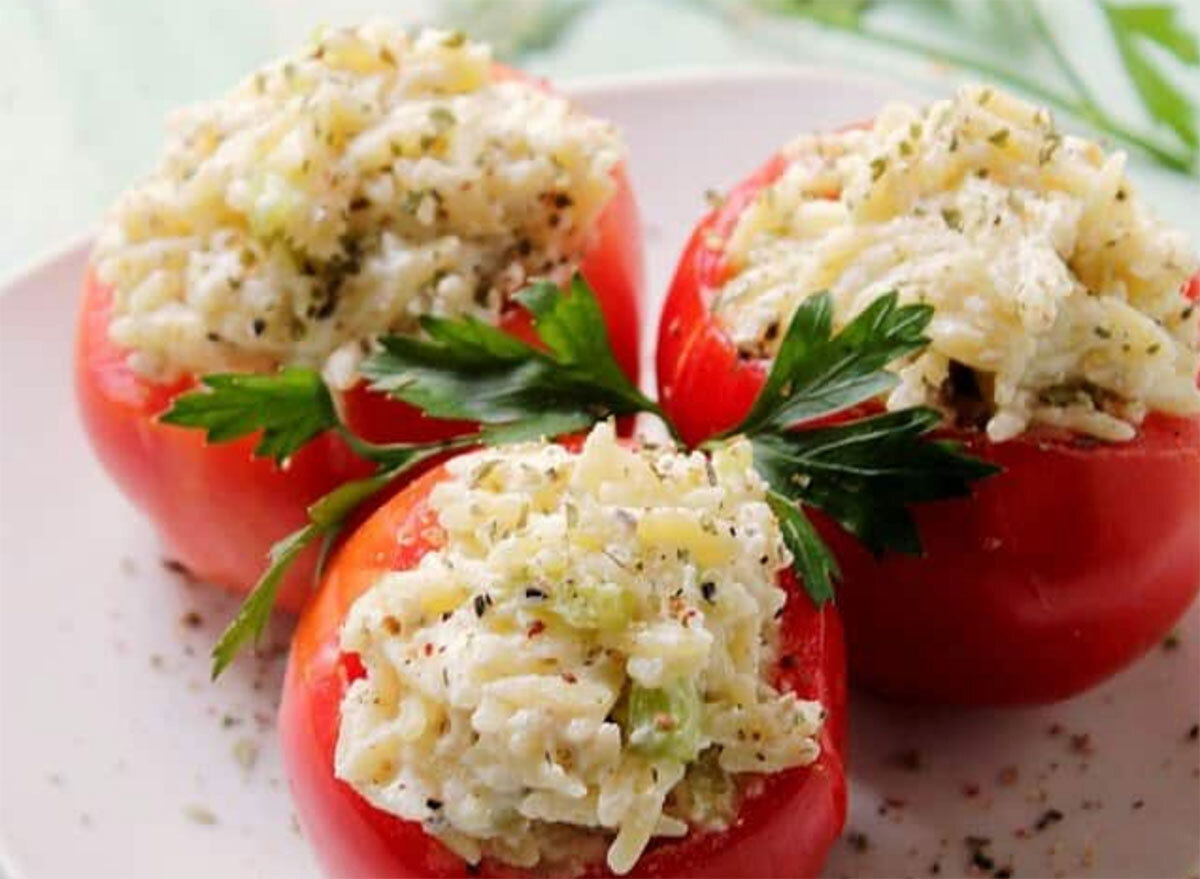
pixel 1057 294
pixel 342 193
pixel 585 663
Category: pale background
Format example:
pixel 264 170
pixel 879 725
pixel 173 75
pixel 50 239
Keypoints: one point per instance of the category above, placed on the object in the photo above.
pixel 87 82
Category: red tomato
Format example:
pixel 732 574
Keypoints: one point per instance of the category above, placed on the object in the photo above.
pixel 218 510
pixel 1056 574
pixel 786 830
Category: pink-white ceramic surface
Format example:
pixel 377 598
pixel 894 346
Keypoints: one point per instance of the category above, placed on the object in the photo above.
pixel 118 757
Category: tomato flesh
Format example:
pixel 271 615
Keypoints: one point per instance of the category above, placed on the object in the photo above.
pixel 785 830
pixel 218 510
pixel 1056 574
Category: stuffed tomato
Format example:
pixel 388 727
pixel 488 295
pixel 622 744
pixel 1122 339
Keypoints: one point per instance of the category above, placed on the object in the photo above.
pixel 332 197
pixel 538 660
pixel 1063 347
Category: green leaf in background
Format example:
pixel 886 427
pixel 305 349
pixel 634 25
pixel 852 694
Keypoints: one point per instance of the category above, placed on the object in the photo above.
pixel 1135 28
pixel 514 28
pixel 290 407
pixel 1158 23
pixel 843 13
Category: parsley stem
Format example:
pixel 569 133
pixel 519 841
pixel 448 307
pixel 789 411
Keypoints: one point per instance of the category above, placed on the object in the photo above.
pixel 387 453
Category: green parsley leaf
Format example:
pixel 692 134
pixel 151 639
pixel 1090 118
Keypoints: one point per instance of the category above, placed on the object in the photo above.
pixel 466 369
pixel 863 472
pixel 535 427
pixel 290 407
pixel 469 370
pixel 866 473
pixel 572 327
pixel 817 373
pixel 812 560
pixel 1134 24
pixel 331 510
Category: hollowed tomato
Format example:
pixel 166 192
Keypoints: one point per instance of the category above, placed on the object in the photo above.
pixel 1057 573
pixel 785 829
pixel 216 508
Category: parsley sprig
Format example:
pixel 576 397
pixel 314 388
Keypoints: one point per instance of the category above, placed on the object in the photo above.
pixel 291 408
pixel 464 369
pixel 816 373
pixel 471 370
pixel 863 471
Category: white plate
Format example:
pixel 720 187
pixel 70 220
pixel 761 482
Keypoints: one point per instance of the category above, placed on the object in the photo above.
pixel 118 758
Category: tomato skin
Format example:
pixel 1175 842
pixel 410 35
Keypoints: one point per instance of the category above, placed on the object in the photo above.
pixel 1033 590
pixel 785 831
pixel 694 353
pixel 1036 588
pixel 218 511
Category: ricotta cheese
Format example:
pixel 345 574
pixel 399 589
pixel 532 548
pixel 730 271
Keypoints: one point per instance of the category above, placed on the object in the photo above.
pixel 342 193
pixel 1057 294
pixel 585 663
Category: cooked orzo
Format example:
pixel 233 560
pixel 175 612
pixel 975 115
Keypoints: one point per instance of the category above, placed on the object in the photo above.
pixel 1058 294
pixel 343 192
pixel 586 661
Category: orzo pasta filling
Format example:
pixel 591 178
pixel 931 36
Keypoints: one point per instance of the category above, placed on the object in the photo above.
pixel 1058 295
pixel 585 663
pixel 343 192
